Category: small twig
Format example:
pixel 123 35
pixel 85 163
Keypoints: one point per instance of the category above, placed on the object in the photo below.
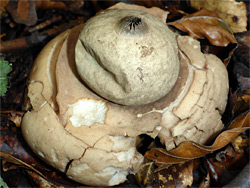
pixel 15 44
pixel 36 39
pixel 48 22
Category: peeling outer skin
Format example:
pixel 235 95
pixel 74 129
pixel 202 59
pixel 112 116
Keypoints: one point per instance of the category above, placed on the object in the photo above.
pixel 49 140
pixel 198 116
pixel 119 120
pixel 97 147
pixel 46 61
pixel 115 162
pixel 36 98
pixel 109 158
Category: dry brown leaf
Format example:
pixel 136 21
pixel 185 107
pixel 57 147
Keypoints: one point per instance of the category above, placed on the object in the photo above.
pixel 203 24
pixel 6 156
pixel 42 176
pixel 202 12
pixel 145 174
pixel 190 150
pixel 232 12
pixel 176 176
pixel 155 11
pixel 23 11
pixel 222 41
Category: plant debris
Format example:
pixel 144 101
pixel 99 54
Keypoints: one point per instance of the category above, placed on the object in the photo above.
pixel 190 150
pixel 203 24
pixel 231 11
pixel 5 69
pixel 226 164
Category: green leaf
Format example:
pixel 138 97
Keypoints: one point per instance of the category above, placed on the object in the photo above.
pixel 2 183
pixel 5 69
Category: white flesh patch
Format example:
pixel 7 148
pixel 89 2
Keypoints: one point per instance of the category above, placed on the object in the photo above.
pixel 41 154
pixel 81 167
pixel 54 155
pixel 121 143
pixel 126 155
pixel 118 178
pixel 117 175
pixel 190 40
pixel 87 112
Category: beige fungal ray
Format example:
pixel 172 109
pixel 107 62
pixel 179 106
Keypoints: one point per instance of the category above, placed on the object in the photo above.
pixel 43 70
pixel 95 88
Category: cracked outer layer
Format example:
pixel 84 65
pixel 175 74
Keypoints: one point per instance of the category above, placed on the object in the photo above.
pixel 198 116
pixel 97 146
pixel 92 150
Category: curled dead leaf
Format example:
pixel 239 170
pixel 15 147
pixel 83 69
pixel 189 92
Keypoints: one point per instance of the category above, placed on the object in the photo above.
pixel 200 26
pixel 190 150
pixel 205 24
pixel 232 12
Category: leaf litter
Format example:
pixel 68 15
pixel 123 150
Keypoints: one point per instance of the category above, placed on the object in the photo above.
pixel 174 168
pixel 190 150
pixel 234 13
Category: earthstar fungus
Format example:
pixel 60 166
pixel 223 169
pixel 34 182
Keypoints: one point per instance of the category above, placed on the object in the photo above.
pixel 93 89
